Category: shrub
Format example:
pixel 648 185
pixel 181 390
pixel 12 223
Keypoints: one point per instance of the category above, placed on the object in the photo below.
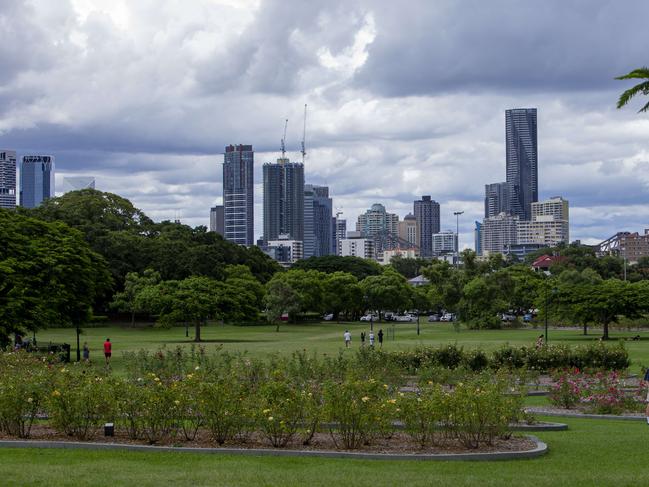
pixel 224 408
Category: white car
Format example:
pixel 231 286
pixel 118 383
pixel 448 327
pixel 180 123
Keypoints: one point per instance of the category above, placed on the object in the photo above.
pixel 447 317
pixel 328 317
pixel 403 318
pixel 369 318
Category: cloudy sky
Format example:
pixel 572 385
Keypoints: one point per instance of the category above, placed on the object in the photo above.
pixel 404 99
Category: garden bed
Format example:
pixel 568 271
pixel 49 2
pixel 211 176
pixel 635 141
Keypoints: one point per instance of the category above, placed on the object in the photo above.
pixel 399 444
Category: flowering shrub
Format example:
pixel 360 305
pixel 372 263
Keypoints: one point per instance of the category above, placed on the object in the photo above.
pixel 79 403
pixel 225 408
pixel 422 413
pixel 568 389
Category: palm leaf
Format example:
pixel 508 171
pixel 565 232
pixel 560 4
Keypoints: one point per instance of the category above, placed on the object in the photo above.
pixel 640 73
pixel 636 73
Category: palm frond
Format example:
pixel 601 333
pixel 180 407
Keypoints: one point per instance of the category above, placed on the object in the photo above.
pixel 636 73
pixel 631 92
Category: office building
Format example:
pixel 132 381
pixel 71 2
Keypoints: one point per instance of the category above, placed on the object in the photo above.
pixel 388 255
pixel 36 180
pixel 357 245
pixel 7 179
pixel 381 226
pixel 77 183
pixel 428 222
pixel 317 221
pixel 444 243
pixel 284 200
pixel 496 199
pixel 238 194
pixel 521 154
pixel 285 250
pixel 549 225
pixel 217 220
pixel 477 238
pixel 408 229
pixel 498 233
pixel 341 233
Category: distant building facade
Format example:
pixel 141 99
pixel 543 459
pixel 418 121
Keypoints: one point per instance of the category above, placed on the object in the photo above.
pixel 408 229
pixel 285 250
pixel 379 225
pixel 7 179
pixel 549 225
pixel 357 245
pixel 318 233
pixel 36 180
pixel 444 243
pixel 217 220
pixel 238 194
pixel 498 233
pixel 496 199
pixel 341 233
pixel 283 200
pixel 427 216
pixel 477 238
pixel 521 153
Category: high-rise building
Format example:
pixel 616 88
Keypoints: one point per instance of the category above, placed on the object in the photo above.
pixel 496 199
pixel 477 237
pixel 77 183
pixel 408 229
pixel 498 233
pixel 521 154
pixel 317 221
pixel 284 200
pixel 7 179
pixel 238 194
pixel 428 222
pixel 36 180
pixel 341 233
pixel 284 250
pixel 217 220
pixel 381 226
pixel 357 245
pixel 550 223
pixel 444 243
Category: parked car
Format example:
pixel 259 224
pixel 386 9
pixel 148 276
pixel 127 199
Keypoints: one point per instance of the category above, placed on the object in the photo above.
pixel 447 317
pixel 369 318
pixel 433 317
pixel 328 317
pixel 404 318
pixel 507 317
pixel 389 316
pixel 527 317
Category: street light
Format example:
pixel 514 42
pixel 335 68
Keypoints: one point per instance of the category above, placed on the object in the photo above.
pixel 457 237
pixel 417 322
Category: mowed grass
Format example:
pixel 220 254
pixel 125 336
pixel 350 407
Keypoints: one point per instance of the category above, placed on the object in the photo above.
pixel 324 338
pixel 591 452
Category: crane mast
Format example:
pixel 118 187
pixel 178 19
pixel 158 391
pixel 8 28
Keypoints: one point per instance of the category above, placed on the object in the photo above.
pixel 304 136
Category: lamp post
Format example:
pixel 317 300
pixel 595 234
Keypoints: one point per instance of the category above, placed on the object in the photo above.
pixel 457 237
pixel 546 312
pixel 417 323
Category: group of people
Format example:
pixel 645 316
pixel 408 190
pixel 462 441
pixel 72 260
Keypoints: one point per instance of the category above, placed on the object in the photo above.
pixel 370 337
pixel 108 351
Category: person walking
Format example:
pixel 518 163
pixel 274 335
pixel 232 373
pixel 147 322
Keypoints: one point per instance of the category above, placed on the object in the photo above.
pixel 362 339
pixel 371 339
pixel 348 338
pixel 381 338
pixel 86 352
pixel 108 351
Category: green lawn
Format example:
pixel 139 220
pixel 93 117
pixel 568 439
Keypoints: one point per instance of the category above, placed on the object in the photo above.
pixel 592 452
pixel 322 338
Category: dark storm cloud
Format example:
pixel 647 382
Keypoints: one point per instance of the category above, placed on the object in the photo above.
pixel 426 47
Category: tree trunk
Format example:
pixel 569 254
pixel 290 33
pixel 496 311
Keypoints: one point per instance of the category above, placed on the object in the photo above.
pixel 132 319
pixel 277 325
pixel 585 329
pixel 605 335
pixel 197 332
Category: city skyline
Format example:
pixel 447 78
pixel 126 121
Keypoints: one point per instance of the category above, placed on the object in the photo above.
pixel 383 127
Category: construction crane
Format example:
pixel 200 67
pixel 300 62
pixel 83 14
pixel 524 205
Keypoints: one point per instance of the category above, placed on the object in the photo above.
pixel 304 136
pixel 283 143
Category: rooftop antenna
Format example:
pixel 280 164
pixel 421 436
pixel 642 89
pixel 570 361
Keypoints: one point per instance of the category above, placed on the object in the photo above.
pixel 283 144
pixel 304 136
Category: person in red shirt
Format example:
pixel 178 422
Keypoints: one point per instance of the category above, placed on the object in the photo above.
pixel 108 348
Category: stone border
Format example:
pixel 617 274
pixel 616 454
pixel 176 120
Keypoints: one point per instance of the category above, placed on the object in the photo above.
pixel 540 426
pixel 586 416
pixel 540 449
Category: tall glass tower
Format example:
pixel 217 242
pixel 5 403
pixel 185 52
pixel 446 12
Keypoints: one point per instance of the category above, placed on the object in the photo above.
pixel 7 179
pixel 428 222
pixel 317 221
pixel 522 160
pixel 238 196
pixel 36 180
pixel 284 200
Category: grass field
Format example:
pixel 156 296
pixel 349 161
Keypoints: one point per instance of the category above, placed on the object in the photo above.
pixel 592 452
pixel 323 338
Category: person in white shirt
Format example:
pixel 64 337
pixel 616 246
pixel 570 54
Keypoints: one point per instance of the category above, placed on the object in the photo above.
pixel 372 339
pixel 348 338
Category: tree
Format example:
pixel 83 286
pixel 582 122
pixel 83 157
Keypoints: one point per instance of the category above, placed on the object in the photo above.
pixel 568 300
pixel 127 300
pixel 342 293
pixel 280 299
pixel 640 73
pixel 408 267
pixel 49 276
pixel 389 291
pixel 360 268
pixel 193 300
pixel 446 283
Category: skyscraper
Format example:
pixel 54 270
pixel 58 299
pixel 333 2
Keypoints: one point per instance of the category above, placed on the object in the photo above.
pixel 36 180
pixel 496 199
pixel 521 154
pixel 284 200
pixel 341 233
pixel 317 221
pixel 7 179
pixel 238 194
pixel 217 219
pixel 381 226
pixel 428 222
pixel 408 229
